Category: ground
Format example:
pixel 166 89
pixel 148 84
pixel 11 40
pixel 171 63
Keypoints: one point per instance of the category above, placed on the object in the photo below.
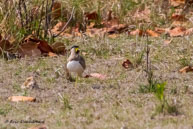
pixel 91 103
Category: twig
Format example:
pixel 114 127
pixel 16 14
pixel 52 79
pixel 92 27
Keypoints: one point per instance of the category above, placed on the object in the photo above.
pixel 54 36
pixel 147 55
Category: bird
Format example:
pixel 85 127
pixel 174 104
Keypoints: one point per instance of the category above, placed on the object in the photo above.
pixel 75 62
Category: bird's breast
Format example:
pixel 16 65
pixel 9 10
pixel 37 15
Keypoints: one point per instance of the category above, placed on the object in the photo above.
pixel 74 66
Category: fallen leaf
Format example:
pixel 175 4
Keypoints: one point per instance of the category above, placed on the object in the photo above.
pixel 5 45
pixel 113 36
pixel 117 28
pixel 97 75
pixel 29 49
pixel 29 83
pixel 58 27
pixel 32 46
pixel 110 23
pixel 176 3
pixel 127 64
pixel 186 69
pixel 161 30
pixel 39 127
pixel 44 47
pixel 152 33
pixel 91 16
pixel 189 31
pixel 21 98
pixel 59 48
pixel 177 31
pixel 136 32
pixel 51 54
pixel 178 17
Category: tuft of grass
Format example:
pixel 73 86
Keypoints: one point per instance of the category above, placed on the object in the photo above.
pixel 65 102
pixel 164 106
pixel 5 110
pixel 184 61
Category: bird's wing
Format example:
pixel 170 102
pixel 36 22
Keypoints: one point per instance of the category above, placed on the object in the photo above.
pixel 82 62
pixel 80 59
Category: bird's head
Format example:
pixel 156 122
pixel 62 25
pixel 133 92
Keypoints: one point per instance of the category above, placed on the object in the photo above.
pixel 75 49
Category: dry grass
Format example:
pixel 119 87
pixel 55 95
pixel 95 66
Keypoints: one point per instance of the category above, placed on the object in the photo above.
pixel 100 104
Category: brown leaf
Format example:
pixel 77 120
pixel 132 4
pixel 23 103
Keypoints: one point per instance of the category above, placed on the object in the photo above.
pixel 152 33
pixel 178 17
pixel 177 31
pixel 97 75
pixel 127 64
pixel 136 32
pixel 161 30
pixel 21 98
pixel 29 49
pixel 186 69
pixel 113 36
pixel 189 31
pixel 59 48
pixel 58 27
pixel 51 54
pixel 5 45
pixel 176 3
pixel 29 83
pixel 44 47
pixel 91 16
pixel 117 28
pixel 110 23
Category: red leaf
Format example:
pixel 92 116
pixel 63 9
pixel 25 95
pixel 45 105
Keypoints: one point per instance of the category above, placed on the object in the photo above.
pixel 44 47
pixel 127 64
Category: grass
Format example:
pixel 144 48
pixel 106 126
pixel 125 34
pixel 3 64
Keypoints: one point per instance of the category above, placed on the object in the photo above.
pixel 99 104
pixel 111 103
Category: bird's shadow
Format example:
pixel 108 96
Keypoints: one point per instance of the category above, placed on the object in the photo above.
pixel 71 79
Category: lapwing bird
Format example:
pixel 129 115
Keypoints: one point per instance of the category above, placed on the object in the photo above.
pixel 75 62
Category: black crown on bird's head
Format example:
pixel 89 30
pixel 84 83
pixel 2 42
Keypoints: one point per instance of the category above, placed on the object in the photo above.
pixel 76 47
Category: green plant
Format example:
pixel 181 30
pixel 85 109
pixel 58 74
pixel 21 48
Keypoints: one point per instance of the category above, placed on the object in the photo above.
pixel 164 106
pixel 5 110
pixel 139 57
pixel 184 61
pixel 151 87
pixel 152 83
pixel 65 101
pixel 126 5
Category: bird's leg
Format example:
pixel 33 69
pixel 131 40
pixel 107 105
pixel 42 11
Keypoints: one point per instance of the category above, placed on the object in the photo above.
pixel 68 76
pixel 76 81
